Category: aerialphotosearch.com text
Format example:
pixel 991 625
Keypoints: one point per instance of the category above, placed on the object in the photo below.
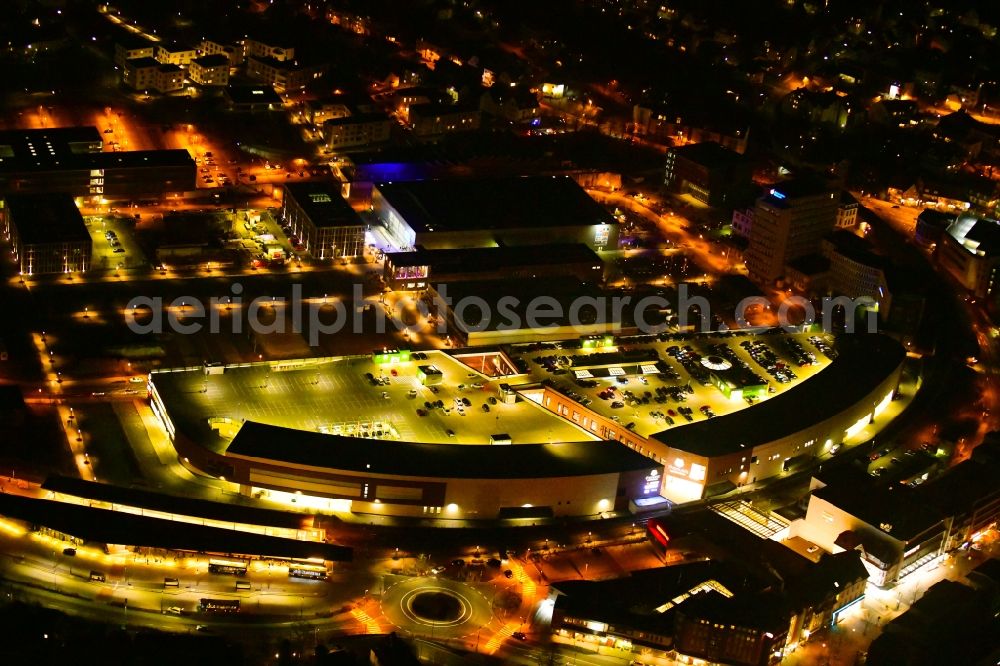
pixel 360 314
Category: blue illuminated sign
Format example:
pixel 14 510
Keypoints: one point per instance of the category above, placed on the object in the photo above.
pixel 777 195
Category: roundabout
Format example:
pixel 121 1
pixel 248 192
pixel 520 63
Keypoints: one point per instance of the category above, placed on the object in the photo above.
pixel 429 605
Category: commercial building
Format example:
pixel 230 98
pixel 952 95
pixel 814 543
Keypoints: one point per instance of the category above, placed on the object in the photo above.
pixel 46 233
pixel 789 222
pixel 511 310
pixel 432 120
pixel 150 74
pixel 326 225
pixel 713 175
pixel 970 251
pixel 355 131
pixel 69 160
pixel 486 212
pixel 709 456
pixel 894 532
pixel 456 481
pixel 547 396
pixel 751 604
pixel 210 70
pixel 420 268
pixel 252 98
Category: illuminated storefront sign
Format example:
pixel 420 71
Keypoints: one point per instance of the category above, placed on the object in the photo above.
pixel 651 484
pixel 601 234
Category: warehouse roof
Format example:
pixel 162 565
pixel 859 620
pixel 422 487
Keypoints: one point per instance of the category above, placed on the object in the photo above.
pixel 493 203
pixel 301 447
pixel 864 361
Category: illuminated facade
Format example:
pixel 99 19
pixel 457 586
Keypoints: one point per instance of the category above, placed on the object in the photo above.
pixel 487 212
pixel 47 234
pixel 326 225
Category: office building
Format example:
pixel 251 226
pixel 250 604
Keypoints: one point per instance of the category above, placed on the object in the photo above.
pixel 713 175
pixel 69 160
pixel 789 222
pixel 325 224
pixel 47 233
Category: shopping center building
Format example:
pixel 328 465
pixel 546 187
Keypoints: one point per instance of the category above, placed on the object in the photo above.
pixel 520 431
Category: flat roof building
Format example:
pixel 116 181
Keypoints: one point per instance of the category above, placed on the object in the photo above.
pixel 457 480
pixel 713 175
pixel 485 312
pixel 970 250
pixel 47 233
pixel 252 98
pixel 485 212
pixel 70 160
pixel 325 224
pixel 416 269
pixel 538 396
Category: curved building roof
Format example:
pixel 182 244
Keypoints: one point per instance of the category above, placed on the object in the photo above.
pixel 864 361
pixel 368 456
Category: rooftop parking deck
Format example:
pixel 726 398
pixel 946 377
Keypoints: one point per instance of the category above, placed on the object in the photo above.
pixel 651 397
pixel 337 397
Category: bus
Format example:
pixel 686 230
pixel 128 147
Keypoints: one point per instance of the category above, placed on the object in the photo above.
pixel 228 567
pixel 219 606
pixel 313 571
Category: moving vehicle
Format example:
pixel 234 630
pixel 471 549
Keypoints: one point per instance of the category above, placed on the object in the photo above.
pixel 227 567
pixel 225 606
pixel 311 571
